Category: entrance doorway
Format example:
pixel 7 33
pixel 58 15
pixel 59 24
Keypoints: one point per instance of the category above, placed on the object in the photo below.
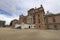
pixel 29 27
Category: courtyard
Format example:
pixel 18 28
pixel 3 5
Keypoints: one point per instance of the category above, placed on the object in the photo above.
pixel 28 34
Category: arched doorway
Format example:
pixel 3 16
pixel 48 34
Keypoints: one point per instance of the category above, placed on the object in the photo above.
pixel 29 27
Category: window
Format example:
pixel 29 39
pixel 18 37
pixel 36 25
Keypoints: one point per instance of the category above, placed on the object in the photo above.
pixel 39 20
pixel 39 26
pixel 38 15
pixel 53 19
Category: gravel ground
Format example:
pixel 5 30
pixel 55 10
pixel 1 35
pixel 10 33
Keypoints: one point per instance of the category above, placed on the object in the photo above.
pixel 28 34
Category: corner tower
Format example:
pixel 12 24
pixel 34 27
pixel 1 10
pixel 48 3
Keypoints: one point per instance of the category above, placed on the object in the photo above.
pixel 39 17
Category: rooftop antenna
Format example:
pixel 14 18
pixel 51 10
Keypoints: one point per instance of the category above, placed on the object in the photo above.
pixel 35 7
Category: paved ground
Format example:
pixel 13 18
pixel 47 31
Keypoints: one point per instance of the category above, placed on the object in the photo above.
pixel 29 34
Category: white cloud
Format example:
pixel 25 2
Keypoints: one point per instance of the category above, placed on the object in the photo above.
pixel 6 18
pixel 17 7
pixel 52 6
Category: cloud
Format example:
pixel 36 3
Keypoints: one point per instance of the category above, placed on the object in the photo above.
pixel 52 6
pixel 18 7
pixel 7 18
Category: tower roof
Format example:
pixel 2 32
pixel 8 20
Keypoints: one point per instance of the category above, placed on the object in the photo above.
pixel 41 5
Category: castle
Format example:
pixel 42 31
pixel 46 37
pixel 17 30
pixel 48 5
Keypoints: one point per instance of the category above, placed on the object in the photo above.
pixel 37 18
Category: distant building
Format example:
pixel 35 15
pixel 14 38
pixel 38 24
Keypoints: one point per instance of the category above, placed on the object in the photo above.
pixel 14 22
pixel 37 18
pixel 2 23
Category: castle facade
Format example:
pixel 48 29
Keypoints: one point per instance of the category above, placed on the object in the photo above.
pixel 37 18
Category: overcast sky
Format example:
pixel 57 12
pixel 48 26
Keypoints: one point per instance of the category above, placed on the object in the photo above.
pixel 14 8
